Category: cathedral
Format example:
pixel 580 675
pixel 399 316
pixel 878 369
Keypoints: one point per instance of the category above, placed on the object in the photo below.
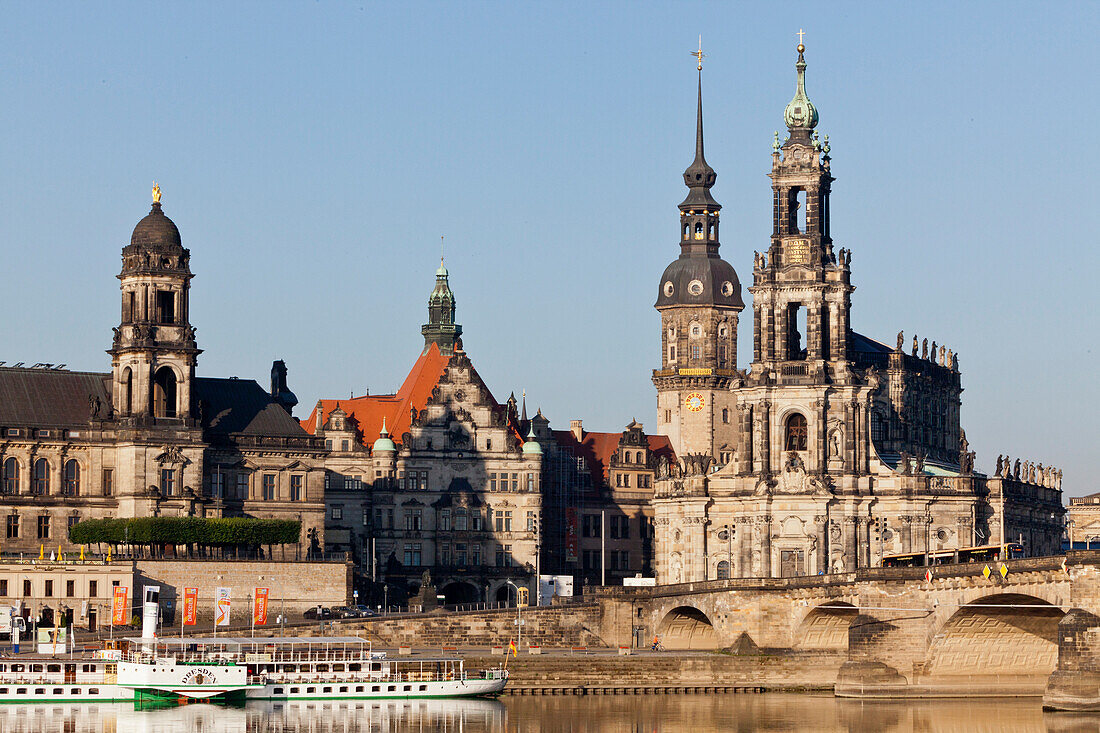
pixel 831 449
pixel 149 437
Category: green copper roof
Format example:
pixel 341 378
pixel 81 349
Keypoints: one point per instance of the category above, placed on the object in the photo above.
pixel 532 447
pixel 800 111
pixel 383 443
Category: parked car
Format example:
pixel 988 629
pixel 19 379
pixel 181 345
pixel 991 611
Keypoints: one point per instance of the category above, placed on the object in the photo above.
pixel 318 612
pixel 343 612
pixel 362 611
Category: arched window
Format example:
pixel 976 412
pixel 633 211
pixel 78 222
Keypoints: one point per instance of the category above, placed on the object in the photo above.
pixel 40 477
pixel 698 230
pixel 70 481
pixel 723 570
pixel 626 456
pixel 710 231
pixel 795 433
pixel 127 397
pixel 687 231
pixel 164 393
pixel 725 415
pixel 11 476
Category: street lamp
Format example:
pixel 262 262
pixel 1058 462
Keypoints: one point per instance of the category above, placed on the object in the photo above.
pixel 519 616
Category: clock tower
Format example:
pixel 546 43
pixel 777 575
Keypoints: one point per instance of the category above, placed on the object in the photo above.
pixel 699 299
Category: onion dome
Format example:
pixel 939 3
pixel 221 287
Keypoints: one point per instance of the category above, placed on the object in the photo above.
pixel 800 113
pixel 383 443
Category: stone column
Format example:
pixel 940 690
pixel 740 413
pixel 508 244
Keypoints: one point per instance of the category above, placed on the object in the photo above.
pixel 849 437
pixel 766 434
pixel 1075 682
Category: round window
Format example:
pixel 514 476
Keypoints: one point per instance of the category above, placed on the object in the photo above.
pixel 727 288
pixel 722 331
pixel 695 287
pixel 669 289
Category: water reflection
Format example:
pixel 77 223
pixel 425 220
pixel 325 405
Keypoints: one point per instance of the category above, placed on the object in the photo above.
pixel 627 714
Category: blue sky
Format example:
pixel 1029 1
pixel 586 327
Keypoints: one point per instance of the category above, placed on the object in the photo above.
pixel 313 153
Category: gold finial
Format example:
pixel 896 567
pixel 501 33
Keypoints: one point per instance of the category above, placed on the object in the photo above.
pixel 801 33
pixel 699 54
pixel 156 193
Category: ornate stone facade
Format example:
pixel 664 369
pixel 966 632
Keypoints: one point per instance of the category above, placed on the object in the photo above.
pixel 831 449
pixel 455 491
pixel 150 438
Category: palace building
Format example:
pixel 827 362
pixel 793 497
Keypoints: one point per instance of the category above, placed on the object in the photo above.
pixel 831 449
pixel 437 477
pixel 150 437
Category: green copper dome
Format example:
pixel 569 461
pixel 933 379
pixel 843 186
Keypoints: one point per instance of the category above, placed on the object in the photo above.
pixel 383 443
pixel 532 447
pixel 800 112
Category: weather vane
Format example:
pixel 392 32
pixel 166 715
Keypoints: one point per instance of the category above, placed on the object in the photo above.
pixel 156 193
pixel 699 54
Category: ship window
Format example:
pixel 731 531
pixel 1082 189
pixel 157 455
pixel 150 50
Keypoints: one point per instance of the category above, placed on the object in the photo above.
pixel 321 668
pixel 294 690
pixel 3 691
pixel 406 688
pixel 375 688
pixel 337 668
pixel 278 691
pixel 358 688
pixel 343 688
pixel 354 667
pixel 310 690
pixel 21 691
pixel 93 690
pixel 423 688
pixel 40 691
pixel 58 691
pixel 75 691
pixel 326 688
pixel 53 668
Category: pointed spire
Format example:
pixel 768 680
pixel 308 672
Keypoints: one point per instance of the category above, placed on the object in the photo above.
pixel 383 432
pixel 699 176
pixel 523 414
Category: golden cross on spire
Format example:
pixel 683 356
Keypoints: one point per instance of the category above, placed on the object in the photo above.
pixel 801 47
pixel 699 54
pixel 156 193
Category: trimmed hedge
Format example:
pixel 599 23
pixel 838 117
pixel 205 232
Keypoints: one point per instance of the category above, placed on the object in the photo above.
pixel 215 532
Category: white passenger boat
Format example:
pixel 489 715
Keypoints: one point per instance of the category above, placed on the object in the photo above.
pixel 239 669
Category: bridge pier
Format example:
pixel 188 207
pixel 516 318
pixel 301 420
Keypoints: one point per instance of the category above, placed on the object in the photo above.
pixel 883 651
pixel 1075 683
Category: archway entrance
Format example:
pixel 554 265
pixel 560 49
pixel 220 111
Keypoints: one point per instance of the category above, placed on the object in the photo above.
pixel 686 627
pixel 826 627
pixel 1004 635
pixel 459 592
pixel 505 594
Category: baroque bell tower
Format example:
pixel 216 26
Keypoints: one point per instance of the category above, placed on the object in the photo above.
pixel 699 299
pixel 153 355
pixel 801 288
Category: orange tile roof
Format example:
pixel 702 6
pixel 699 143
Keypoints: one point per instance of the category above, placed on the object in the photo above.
pixel 396 410
pixel 597 449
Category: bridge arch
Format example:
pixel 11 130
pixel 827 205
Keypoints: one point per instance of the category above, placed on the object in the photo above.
pixel 1001 634
pixel 686 627
pixel 826 627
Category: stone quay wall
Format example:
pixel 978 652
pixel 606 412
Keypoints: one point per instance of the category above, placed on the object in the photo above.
pixel 665 671
pixel 565 626
pixel 305 584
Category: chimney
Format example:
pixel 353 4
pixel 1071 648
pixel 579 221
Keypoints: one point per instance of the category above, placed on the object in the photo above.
pixel 575 428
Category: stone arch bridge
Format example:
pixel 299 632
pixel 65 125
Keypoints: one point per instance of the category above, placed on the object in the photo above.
pixel 1033 630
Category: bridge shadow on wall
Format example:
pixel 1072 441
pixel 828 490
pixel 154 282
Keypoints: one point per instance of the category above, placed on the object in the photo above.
pixel 686 627
pixel 1001 635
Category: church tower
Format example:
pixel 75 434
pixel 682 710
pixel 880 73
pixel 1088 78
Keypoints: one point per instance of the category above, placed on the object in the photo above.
pixel 801 288
pixel 153 355
pixel 699 299
pixel 441 328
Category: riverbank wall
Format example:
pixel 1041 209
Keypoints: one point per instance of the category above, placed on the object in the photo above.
pixel 571 673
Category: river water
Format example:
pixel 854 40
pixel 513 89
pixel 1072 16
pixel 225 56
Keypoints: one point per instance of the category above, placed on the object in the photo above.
pixel 626 714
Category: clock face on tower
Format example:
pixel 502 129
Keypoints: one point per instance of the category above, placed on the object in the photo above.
pixel 694 402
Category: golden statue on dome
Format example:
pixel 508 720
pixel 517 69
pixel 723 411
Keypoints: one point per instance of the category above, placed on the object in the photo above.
pixel 156 193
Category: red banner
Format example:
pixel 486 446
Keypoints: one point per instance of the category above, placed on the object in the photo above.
pixel 259 607
pixel 118 607
pixel 571 553
pixel 190 606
